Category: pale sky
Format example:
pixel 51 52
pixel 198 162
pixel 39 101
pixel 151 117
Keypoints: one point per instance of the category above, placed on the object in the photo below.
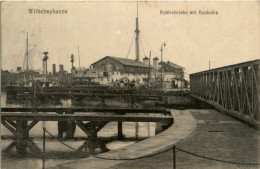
pixel 106 29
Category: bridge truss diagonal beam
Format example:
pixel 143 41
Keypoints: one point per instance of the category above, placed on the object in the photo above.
pixel 235 89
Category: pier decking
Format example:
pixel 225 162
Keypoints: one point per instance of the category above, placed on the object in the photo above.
pixel 87 117
pixel 83 109
pixel 97 118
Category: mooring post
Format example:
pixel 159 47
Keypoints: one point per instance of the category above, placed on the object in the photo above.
pixel 148 129
pixel 174 157
pixel 120 130
pixel 136 130
pixel 43 149
pixel 21 138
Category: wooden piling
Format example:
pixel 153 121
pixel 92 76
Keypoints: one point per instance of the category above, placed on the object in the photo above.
pixel 92 138
pixel 120 130
pixel 21 143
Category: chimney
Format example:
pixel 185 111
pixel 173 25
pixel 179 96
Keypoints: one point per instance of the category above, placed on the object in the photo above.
pixel 44 62
pixel 54 69
pixel 44 66
pixel 61 69
pixel 155 63
pixel 146 61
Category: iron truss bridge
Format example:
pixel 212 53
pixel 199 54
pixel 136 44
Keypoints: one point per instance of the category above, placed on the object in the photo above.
pixel 233 90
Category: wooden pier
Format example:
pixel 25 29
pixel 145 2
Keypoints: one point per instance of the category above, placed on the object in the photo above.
pixel 83 109
pixel 97 118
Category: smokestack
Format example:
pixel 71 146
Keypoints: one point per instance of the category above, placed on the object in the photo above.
pixel 54 69
pixel 44 67
pixel 61 69
pixel 44 62
pixel 155 63
pixel 146 60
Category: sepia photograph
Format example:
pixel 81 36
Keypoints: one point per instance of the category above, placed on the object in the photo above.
pixel 130 84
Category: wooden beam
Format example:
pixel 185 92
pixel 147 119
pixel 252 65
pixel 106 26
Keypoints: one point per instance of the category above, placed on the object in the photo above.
pixel 81 125
pixel 28 128
pixel 96 110
pixel 99 127
pixel 13 124
pixel 10 146
pixel 33 147
pixel 9 127
pixel 84 145
pixel 83 117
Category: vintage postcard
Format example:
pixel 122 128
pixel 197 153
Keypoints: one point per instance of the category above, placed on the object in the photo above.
pixel 147 84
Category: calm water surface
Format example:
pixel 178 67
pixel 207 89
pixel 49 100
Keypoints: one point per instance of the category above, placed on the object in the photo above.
pixel 56 150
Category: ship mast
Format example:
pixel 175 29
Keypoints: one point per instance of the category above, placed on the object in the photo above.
pixel 79 56
pixel 149 71
pixel 137 38
pixel 27 54
pixel 26 61
pixel 72 61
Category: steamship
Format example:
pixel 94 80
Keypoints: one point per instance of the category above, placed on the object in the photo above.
pixel 26 79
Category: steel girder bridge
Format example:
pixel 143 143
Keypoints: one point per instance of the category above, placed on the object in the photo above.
pixel 233 90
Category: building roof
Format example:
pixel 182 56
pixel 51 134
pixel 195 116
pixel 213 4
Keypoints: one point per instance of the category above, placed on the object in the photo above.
pixel 172 65
pixel 124 61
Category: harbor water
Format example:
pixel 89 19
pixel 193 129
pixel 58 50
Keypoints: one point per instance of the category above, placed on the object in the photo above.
pixel 55 151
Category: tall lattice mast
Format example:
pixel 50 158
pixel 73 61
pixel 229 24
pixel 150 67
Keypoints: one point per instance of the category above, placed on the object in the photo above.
pixel 137 32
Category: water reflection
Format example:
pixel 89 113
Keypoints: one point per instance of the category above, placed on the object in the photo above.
pixel 115 102
pixel 56 152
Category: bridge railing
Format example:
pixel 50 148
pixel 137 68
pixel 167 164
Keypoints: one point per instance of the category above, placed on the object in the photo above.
pixel 233 89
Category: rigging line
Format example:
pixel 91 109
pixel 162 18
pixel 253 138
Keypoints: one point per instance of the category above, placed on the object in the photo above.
pixel 24 56
pixel 31 58
pixel 130 46
pixel 148 45
pixel 142 47
pixel 17 62
pixel 38 52
pixel 30 51
pixel 19 56
pixel 30 63
pixel 24 62
pixel 141 55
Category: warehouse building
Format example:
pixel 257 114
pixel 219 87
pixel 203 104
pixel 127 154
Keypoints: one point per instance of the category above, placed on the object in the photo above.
pixel 115 69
